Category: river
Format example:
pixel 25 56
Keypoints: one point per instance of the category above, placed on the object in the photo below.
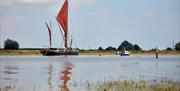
pixel 71 73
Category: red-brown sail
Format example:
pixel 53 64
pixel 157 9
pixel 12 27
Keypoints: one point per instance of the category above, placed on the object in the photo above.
pixel 63 20
pixel 49 30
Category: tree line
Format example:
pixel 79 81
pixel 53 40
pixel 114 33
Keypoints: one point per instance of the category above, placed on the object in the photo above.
pixel 125 45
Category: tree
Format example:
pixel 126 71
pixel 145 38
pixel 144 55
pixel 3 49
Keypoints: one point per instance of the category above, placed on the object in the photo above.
pixel 110 48
pixel 100 48
pixel 11 44
pixel 169 49
pixel 126 45
pixel 177 46
pixel 136 47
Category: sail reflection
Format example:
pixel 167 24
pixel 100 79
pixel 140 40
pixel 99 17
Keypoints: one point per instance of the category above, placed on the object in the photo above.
pixel 65 76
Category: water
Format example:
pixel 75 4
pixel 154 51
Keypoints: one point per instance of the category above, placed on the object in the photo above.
pixel 40 73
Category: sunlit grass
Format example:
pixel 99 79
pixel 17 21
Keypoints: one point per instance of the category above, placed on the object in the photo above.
pixel 19 52
pixel 83 52
pixel 130 85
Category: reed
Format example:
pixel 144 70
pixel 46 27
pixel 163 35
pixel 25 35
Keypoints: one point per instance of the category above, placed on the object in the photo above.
pixel 118 85
pixel 130 85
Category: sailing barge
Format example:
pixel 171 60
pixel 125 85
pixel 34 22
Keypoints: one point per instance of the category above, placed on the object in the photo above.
pixel 62 19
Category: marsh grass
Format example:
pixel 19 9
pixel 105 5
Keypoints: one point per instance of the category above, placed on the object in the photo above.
pixel 130 85
pixel 110 85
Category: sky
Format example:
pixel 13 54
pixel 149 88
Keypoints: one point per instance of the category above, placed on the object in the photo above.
pixel 92 23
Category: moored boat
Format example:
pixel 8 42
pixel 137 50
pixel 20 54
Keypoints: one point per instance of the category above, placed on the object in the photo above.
pixel 62 19
pixel 123 53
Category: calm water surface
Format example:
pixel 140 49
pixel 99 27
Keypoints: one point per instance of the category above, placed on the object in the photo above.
pixel 73 72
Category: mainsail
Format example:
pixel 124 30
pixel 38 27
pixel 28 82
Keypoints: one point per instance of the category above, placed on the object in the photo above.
pixel 62 18
pixel 49 30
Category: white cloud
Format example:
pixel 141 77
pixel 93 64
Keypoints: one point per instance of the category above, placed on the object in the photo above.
pixel 100 12
pixel 84 1
pixel 42 2
pixel 39 2
pixel 30 2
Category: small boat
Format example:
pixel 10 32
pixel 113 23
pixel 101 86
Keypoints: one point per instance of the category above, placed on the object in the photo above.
pixel 62 19
pixel 123 53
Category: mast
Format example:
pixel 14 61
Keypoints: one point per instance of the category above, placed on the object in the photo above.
pixel 173 46
pixel 49 30
pixel 62 18
pixel 71 42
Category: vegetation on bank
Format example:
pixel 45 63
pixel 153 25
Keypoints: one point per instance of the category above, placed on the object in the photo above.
pixel 86 52
pixel 126 45
pixel 130 85
pixel 177 46
pixel 19 52
pixel 111 85
pixel 113 52
pixel 11 44
pixel 11 47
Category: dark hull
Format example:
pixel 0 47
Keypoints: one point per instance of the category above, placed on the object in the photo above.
pixel 124 54
pixel 50 52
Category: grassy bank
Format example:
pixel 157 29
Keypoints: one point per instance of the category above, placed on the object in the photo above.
pixel 85 52
pixel 103 52
pixel 163 52
pixel 20 52
pixel 96 52
pixel 130 85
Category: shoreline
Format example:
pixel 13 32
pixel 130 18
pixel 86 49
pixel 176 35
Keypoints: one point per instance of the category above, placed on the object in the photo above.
pixel 88 52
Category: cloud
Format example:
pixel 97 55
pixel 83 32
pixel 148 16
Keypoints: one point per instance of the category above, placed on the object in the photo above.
pixel 99 13
pixel 29 2
pixel 38 2
pixel 84 1
pixel 42 2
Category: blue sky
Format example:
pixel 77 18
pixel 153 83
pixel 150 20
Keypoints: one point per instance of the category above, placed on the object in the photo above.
pixel 92 23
